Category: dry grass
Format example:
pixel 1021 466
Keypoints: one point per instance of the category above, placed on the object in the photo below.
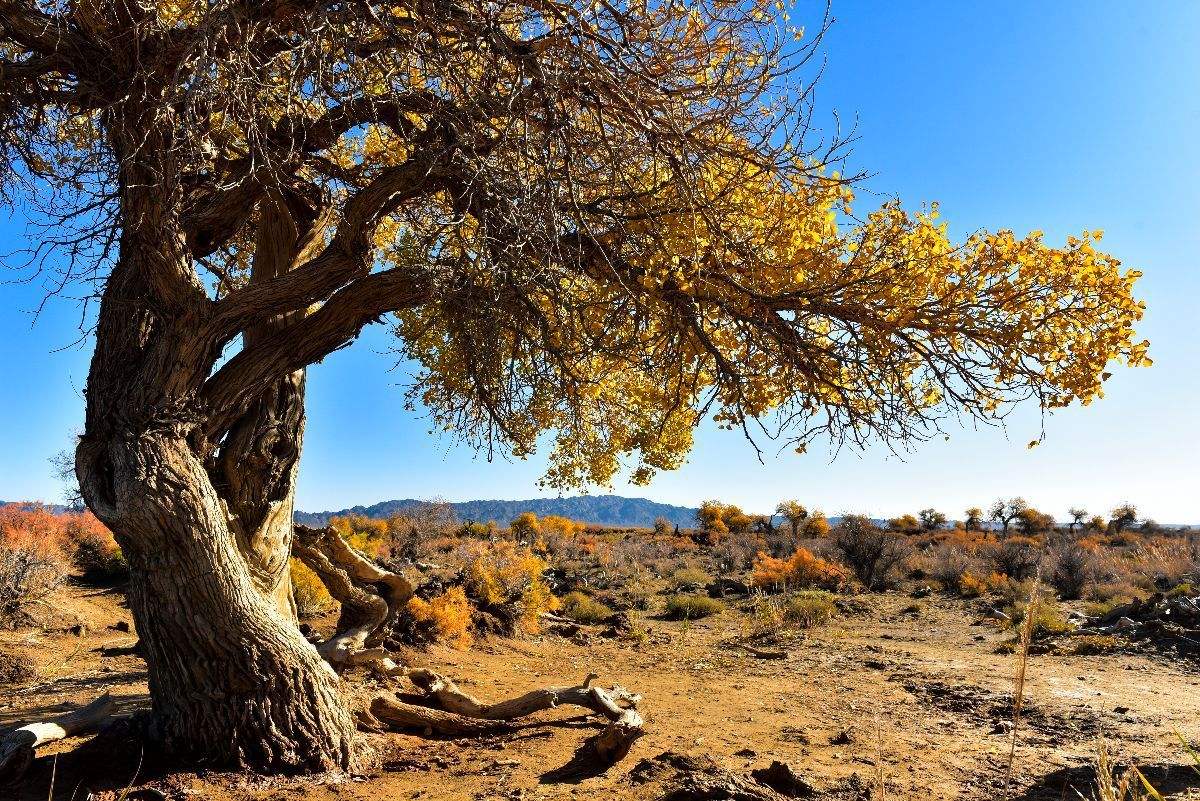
pixel 692 607
pixel 1026 639
pixel 584 609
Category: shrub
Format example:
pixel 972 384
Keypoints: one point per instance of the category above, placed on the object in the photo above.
pixel 1047 617
pixel 311 597
pixel 444 618
pixel 1016 557
pixel 365 534
pixel 1074 570
pixel 32 559
pixel 970 586
pixel 949 564
pixel 810 608
pixel 688 576
pixel 803 569
pixel 692 607
pixel 1093 645
pixel 584 609
pixel 505 573
pixel 94 551
pixel 871 552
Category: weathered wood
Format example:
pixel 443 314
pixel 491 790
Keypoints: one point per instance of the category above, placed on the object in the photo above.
pixel 401 715
pixel 371 598
pixel 618 705
pixel 18 746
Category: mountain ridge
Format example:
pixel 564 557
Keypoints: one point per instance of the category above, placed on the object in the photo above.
pixel 608 510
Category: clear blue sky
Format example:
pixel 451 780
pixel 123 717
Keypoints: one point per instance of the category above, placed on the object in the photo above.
pixel 1058 116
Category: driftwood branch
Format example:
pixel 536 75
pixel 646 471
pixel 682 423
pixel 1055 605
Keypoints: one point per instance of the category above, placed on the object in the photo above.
pixel 371 597
pixel 461 714
pixel 18 746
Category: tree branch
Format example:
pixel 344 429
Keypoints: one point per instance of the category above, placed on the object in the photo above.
pixel 229 391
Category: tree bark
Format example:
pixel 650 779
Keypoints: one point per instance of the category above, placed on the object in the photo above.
pixel 204 520
pixel 231 679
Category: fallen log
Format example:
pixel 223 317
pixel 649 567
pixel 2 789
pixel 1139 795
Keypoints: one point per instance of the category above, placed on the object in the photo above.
pixel 462 714
pixel 17 746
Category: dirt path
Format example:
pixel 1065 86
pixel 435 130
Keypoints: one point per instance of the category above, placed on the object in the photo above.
pixel 925 696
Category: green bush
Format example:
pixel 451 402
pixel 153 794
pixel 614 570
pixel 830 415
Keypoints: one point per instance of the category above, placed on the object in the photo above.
pixel 692 607
pixel 686 576
pixel 810 608
pixel 584 609
pixel 1048 618
pixel 100 561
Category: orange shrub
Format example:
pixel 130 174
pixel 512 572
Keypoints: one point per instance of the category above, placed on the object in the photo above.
pixel 803 569
pixel 971 586
pixel 446 617
pixel 32 559
pixel 33 529
pixel 504 572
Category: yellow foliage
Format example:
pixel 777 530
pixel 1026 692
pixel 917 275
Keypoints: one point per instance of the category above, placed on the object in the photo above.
pixel 309 593
pixel 803 569
pixel 370 536
pixel 448 616
pixel 506 572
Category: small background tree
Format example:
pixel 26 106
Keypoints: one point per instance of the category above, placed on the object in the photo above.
pixel 872 553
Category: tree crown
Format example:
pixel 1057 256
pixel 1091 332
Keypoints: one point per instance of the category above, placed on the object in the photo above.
pixel 601 220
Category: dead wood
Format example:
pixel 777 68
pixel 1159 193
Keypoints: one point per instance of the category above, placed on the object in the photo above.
pixel 461 714
pixel 371 598
pixel 18 746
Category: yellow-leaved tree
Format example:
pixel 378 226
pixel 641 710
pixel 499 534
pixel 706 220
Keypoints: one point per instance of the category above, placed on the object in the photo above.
pixel 600 221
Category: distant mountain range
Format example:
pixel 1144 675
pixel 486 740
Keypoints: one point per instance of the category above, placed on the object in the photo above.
pixel 52 508
pixel 608 510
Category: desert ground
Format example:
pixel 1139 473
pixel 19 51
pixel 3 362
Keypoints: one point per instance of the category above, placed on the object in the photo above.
pixel 895 697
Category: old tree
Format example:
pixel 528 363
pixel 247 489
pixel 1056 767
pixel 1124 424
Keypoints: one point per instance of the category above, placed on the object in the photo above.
pixel 605 220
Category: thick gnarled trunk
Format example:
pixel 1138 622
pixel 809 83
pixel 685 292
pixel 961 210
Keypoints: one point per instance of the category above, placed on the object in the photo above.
pixel 207 533
pixel 231 679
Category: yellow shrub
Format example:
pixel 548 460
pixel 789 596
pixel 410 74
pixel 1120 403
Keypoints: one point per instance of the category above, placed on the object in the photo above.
pixel 367 535
pixel 506 572
pixel 447 616
pixel 803 569
pixel 312 599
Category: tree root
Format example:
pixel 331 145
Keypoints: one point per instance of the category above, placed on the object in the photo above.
pixel 371 598
pixel 17 746
pixel 461 714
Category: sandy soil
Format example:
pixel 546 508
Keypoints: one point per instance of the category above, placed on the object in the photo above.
pixel 922 699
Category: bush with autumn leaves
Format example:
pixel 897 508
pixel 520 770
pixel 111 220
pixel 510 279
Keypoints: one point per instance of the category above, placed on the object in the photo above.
pixel 39 548
pixel 481 578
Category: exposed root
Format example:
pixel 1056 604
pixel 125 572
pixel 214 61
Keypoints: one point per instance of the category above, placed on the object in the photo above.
pixel 17 746
pixel 371 598
pixel 461 714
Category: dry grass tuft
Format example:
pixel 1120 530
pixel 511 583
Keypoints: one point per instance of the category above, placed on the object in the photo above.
pixel 692 607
